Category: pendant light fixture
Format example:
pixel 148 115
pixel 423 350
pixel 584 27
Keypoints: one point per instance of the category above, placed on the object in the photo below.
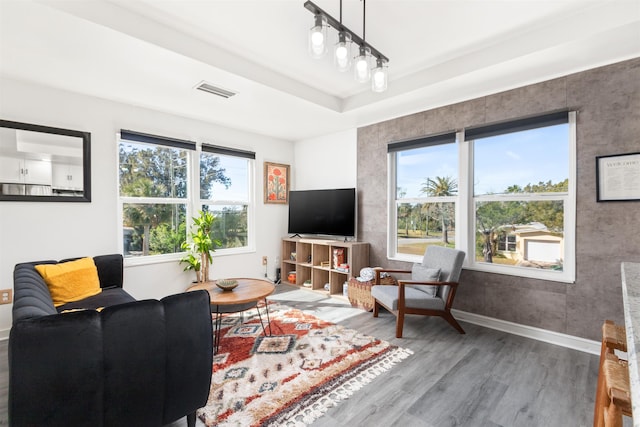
pixel 379 77
pixel 363 68
pixel 342 52
pixel 318 37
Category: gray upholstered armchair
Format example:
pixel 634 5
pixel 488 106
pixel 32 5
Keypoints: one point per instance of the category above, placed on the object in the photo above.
pixel 430 291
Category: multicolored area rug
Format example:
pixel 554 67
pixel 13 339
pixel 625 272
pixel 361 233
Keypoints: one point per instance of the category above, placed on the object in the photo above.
pixel 294 376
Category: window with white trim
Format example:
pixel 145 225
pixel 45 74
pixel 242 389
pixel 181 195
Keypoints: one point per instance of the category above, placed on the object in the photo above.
pixel 225 183
pixel 426 189
pixel 164 182
pixel 516 200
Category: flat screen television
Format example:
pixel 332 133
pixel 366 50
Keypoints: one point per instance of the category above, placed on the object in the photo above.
pixel 323 212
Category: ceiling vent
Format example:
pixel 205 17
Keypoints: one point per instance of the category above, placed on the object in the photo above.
pixel 206 87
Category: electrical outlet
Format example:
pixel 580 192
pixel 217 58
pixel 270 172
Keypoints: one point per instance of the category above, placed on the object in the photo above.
pixel 264 260
pixel 6 296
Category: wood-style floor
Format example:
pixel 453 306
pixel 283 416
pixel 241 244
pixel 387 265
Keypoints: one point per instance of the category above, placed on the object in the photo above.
pixel 484 378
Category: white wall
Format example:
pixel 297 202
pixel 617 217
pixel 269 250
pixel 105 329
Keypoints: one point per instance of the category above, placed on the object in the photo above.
pixel 31 231
pixel 328 161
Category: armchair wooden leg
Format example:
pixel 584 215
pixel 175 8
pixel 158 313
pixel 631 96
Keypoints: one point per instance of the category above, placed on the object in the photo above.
pixel 453 322
pixel 376 308
pixel 399 324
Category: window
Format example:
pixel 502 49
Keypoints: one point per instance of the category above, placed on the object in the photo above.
pixel 516 204
pixel 527 197
pixel 225 191
pixel 158 194
pixel 426 188
pixel 507 242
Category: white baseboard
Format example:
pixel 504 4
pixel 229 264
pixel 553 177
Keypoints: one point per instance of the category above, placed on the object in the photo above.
pixel 4 334
pixel 564 340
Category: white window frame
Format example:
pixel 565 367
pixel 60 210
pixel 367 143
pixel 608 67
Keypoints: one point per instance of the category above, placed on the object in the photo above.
pixel 193 205
pixel 567 275
pixel 394 202
pixel 465 214
pixel 250 202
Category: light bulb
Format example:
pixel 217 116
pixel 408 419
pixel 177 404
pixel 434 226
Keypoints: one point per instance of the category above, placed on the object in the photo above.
pixel 318 37
pixel 380 78
pixel 342 52
pixel 362 71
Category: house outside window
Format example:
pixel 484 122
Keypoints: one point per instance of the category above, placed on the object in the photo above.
pixel 531 196
pixel 158 195
pixel 515 205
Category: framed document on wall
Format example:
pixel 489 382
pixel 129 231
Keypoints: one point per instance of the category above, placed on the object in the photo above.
pixel 618 177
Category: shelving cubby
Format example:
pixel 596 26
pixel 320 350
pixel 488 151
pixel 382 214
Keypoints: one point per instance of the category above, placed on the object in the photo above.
pixel 313 260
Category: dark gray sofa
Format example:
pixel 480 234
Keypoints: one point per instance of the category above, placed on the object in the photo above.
pixel 135 363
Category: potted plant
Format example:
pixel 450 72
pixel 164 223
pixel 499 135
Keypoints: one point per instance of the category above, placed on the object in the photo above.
pixel 199 246
pixel 192 261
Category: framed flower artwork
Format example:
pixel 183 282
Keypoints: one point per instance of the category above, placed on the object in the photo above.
pixel 276 183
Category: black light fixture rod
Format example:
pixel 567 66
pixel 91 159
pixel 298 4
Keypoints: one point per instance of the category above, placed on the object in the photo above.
pixel 364 19
pixel 313 8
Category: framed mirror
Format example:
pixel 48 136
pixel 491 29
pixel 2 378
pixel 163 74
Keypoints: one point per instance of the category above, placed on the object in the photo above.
pixel 44 164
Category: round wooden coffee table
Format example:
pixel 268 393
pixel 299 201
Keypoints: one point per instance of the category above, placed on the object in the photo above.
pixel 243 297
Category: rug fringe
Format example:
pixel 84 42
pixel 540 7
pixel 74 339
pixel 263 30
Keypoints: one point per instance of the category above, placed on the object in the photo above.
pixel 309 414
pixel 296 402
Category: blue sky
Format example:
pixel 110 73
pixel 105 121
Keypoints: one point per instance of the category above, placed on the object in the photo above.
pixel 236 169
pixel 521 158
pixel 415 166
pixel 501 161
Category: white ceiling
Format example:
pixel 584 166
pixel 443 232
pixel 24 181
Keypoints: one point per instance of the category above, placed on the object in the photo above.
pixel 152 53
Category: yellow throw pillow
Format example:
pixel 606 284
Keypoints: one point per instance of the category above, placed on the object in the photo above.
pixel 71 281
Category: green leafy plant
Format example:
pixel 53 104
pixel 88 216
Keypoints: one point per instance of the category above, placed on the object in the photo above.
pixel 193 262
pixel 200 245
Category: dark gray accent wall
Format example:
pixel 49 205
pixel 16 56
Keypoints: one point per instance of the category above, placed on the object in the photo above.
pixel 608 122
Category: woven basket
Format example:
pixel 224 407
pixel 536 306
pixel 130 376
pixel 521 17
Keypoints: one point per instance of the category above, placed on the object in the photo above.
pixel 360 292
